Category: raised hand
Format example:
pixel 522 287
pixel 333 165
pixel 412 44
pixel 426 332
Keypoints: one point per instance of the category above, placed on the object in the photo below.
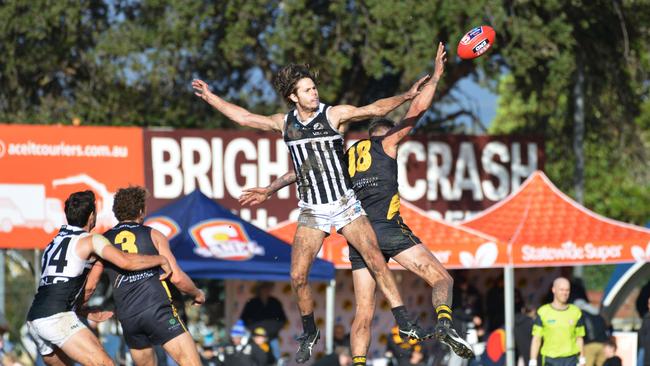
pixel 415 89
pixel 441 58
pixel 201 88
pixel 254 196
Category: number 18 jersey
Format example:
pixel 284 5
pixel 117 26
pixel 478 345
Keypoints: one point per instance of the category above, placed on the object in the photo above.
pixel 374 179
pixel 63 274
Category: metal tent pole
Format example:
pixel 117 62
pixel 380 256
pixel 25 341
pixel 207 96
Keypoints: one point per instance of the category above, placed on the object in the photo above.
pixel 329 316
pixel 509 289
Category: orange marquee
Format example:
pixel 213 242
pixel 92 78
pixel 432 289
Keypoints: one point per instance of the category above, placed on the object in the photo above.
pixel 545 227
pixel 453 245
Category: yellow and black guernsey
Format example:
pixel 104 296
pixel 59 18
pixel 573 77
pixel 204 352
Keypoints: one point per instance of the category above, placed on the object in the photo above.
pixel 559 330
pixel 142 302
pixel 374 179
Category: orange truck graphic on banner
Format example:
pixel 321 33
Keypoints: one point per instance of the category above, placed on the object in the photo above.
pixel 25 205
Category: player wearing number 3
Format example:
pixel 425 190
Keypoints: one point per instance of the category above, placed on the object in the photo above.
pixel 67 260
pixel 143 303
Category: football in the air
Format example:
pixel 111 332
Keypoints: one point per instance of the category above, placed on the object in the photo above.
pixel 476 42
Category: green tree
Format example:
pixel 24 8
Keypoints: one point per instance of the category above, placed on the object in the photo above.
pixel 125 62
pixel 611 41
pixel 122 62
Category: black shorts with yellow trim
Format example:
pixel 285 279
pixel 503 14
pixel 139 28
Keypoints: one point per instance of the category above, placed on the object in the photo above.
pixel 394 237
pixel 153 326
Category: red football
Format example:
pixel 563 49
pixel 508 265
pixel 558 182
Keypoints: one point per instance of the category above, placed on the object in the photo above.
pixel 476 42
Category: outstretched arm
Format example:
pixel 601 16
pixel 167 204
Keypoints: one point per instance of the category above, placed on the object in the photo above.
pixel 342 114
pixel 235 113
pixel 257 195
pixel 418 107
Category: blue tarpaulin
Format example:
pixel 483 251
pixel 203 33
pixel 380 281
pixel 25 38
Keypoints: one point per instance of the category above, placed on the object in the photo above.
pixel 209 241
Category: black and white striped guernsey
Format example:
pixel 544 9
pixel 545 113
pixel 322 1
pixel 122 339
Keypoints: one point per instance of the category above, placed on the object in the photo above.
pixel 317 152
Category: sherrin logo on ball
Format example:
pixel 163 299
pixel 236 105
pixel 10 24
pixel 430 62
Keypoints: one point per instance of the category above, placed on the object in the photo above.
pixel 476 42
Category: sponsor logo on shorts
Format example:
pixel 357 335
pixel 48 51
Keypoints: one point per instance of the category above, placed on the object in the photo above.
pixel 224 239
pixel 471 35
pixel 165 225
pixel 173 324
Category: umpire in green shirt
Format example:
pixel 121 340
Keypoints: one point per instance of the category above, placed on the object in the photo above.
pixel 558 329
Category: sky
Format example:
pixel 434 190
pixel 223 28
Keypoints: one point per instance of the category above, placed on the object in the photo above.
pixel 484 100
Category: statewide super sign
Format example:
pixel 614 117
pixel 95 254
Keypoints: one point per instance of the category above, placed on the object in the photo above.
pixel 450 176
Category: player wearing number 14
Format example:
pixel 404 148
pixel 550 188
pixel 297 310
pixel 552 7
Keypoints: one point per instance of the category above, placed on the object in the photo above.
pixel 52 321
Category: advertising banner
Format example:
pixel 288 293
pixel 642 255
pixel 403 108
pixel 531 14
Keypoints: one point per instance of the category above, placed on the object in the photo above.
pixel 546 227
pixel 41 165
pixel 448 176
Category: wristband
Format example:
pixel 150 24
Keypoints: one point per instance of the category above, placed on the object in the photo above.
pixel 532 362
pixel 582 360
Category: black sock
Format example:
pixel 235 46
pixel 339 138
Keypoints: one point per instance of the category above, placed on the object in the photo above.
pixel 308 324
pixel 401 316
pixel 358 360
pixel 444 314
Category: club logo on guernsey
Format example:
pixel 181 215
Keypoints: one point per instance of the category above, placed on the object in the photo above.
pixel 165 225
pixel 223 239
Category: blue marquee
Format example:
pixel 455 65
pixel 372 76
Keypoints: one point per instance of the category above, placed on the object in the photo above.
pixel 209 241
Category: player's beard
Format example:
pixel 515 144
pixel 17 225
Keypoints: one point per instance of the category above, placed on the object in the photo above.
pixel 310 107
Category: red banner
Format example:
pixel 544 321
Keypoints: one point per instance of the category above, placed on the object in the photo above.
pixel 448 176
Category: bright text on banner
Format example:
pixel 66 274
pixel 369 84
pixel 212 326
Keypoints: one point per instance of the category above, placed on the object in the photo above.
pixel 448 176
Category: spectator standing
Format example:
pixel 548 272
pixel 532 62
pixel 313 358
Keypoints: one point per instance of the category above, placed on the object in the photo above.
pixel 265 311
pixel 644 335
pixel 523 332
pixel 494 305
pixel 596 334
